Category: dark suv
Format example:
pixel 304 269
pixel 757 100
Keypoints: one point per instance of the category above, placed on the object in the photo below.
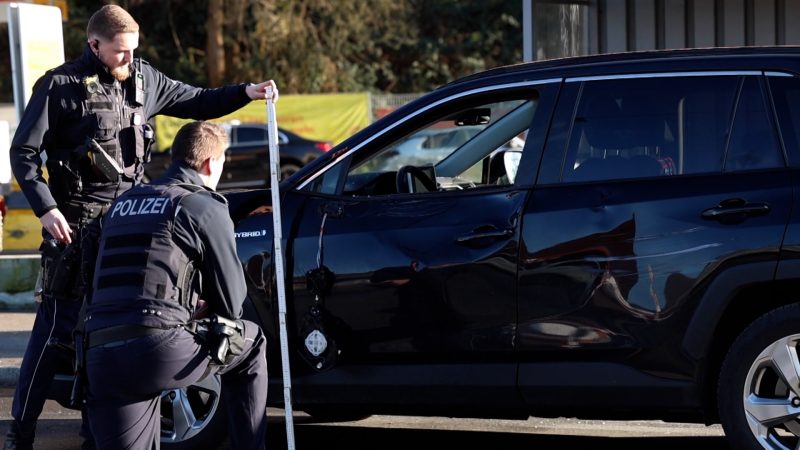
pixel 618 239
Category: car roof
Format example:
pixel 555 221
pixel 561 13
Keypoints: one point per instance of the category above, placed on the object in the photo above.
pixel 728 58
pixel 763 58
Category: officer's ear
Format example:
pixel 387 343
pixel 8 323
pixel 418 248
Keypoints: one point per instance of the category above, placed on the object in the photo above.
pixel 205 168
pixel 94 44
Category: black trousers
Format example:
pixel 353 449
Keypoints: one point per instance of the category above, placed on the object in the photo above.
pixel 55 322
pixel 126 380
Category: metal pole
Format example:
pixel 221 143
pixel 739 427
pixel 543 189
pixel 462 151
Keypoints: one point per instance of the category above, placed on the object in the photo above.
pixel 274 169
pixel 528 38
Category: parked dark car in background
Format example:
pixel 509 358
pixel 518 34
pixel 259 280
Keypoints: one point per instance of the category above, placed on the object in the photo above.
pixel 619 239
pixel 247 157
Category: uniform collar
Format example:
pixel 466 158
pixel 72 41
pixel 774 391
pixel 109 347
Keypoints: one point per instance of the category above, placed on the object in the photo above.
pixel 180 172
pixel 92 61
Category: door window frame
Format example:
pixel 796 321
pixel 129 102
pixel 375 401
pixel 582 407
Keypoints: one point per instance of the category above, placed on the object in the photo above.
pixel 548 93
pixel 555 150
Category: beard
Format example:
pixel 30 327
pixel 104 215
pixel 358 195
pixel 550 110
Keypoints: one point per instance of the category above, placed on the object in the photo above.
pixel 121 73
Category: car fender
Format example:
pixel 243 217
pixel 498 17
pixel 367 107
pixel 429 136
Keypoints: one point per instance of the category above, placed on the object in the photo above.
pixel 716 298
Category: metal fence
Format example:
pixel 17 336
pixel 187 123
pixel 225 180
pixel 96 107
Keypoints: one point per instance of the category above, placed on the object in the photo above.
pixel 382 104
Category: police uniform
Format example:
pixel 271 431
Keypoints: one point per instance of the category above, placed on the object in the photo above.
pixel 75 101
pixel 163 245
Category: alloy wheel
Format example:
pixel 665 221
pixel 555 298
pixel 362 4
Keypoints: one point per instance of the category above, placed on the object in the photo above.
pixel 186 412
pixel 772 395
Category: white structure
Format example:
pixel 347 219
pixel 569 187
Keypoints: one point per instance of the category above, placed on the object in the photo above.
pixel 558 28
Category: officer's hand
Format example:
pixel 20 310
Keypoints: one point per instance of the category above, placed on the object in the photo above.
pixel 261 90
pixel 55 224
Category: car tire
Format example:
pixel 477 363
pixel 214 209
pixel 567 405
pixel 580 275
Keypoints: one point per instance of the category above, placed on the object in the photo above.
pixel 194 417
pixel 756 407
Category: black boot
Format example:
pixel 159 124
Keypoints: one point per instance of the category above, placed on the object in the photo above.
pixel 19 439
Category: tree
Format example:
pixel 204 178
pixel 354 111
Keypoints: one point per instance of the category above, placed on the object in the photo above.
pixel 215 46
pixel 315 46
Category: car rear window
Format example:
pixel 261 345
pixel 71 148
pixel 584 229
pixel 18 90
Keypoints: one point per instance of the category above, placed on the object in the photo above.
pixel 786 95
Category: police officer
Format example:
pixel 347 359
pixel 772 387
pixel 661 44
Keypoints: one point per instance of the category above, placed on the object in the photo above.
pixel 90 117
pixel 163 246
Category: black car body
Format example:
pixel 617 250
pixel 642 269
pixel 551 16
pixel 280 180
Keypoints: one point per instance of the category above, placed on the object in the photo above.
pixel 247 156
pixel 638 257
pixel 651 223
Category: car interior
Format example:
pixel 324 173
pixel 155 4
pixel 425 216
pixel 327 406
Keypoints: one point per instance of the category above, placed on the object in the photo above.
pixel 470 160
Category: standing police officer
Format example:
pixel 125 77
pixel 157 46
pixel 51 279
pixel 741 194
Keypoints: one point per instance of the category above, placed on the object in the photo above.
pixel 90 117
pixel 162 246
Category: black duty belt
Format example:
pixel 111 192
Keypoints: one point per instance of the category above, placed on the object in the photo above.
pixel 77 211
pixel 120 333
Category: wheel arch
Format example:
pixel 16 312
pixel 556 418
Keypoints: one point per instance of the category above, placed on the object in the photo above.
pixel 729 304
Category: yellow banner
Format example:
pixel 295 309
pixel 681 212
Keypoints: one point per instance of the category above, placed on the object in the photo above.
pixel 324 117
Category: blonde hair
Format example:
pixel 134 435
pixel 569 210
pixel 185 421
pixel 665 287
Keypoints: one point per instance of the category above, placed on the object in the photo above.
pixel 109 21
pixel 197 142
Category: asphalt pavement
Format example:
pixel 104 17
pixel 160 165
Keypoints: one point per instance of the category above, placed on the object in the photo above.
pixel 15 330
pixel 58 428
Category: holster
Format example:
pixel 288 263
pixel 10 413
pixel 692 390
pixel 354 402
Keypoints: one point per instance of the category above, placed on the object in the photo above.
pixel 60 266
pixel 223 338
pixel 67 269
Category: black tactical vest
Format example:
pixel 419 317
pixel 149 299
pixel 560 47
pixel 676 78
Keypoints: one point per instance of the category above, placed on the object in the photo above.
pixel 142 277
pixel 115 111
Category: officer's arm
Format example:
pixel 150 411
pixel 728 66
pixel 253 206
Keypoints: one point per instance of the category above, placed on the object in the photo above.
pixel 177 99
pixel 211 229
pixel 26 147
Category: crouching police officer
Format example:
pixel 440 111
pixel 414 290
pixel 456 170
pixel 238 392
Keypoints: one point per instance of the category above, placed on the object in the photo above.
pixel 163 246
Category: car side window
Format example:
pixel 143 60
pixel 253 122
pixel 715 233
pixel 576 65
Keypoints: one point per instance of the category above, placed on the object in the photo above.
pixel 647 127
pixel 786 96
pixel 752 144
pixel 473 146
pixel 251 134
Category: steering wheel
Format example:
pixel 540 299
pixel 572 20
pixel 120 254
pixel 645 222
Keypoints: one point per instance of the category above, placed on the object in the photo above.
pixel 407 177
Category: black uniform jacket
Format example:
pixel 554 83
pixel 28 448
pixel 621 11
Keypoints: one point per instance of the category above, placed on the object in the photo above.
pixel 56 119
pixel 199 231
pixel 203 225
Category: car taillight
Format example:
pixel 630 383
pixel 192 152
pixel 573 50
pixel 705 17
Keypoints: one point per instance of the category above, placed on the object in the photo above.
pixel 324 146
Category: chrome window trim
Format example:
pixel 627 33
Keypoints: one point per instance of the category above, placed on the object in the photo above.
pixel 773 73
pixel 665 75
pixel 420 111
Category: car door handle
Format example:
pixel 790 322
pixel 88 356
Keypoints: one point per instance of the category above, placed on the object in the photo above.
pixel 485 233
pixel 735 209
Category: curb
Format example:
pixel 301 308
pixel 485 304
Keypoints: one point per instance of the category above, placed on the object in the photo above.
pixel 18 301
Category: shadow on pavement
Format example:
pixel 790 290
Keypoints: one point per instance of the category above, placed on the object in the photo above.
pixel 56 434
